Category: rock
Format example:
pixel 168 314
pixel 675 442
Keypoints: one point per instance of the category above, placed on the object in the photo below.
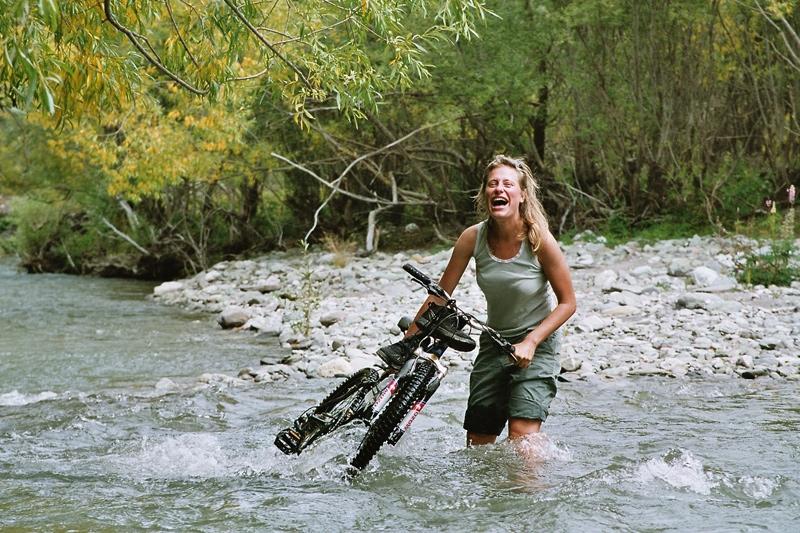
pixel 754 372
pixel 704 276
pixel 650 370
pixel 337 343
pixel 300 344
pixel 770 343
pixel 330 319
pixel 584 260
pixel 411 228
pixel 220 379
pixel 570 364
pixel 211 276
pixel 680 266
pixel 269 284
pixel 592 323
pixel 698 301
pixel 621 310
pixel 267 326
pixel 338 367
pixel 165 385
pixel 166 287
pixel 605 280
pixel 721 284
pixel 233 317
pixel 745 361
pixel 246 373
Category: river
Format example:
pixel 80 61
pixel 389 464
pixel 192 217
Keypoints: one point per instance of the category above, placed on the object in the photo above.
pixel 92 437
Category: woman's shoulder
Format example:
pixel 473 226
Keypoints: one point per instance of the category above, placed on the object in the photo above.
pixel 467 240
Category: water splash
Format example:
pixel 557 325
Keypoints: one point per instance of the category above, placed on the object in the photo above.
pixel 16 398
pixel 679 469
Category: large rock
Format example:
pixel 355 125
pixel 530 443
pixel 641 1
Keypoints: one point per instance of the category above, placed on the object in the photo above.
pixel 233 317
pixel 338 367
pixel 704 276
pixel 167 287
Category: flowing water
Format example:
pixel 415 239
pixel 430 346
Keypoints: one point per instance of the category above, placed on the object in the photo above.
pixel 92 437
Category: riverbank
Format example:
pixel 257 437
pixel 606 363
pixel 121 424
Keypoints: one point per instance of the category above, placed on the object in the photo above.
pixel 671 309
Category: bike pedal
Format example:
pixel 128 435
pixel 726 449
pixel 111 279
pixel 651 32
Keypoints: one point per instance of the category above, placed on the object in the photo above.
pixel 288 441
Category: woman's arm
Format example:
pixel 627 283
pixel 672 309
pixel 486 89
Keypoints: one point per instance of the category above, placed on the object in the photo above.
pixel 459 259
pixel 555 268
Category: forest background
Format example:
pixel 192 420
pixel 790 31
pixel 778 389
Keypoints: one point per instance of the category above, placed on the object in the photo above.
pixel 154 138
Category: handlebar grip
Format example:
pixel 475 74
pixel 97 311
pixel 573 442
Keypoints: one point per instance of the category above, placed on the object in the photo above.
pixel 411 269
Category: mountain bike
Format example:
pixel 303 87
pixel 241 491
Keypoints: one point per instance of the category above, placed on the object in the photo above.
pixel 387 399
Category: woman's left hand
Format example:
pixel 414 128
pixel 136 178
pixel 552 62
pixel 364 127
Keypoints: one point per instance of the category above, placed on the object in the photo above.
pixel 523 353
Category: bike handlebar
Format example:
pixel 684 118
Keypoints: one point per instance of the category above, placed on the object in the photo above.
pixel 434 288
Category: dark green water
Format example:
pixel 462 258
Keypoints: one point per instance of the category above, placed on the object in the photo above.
pixel 88 441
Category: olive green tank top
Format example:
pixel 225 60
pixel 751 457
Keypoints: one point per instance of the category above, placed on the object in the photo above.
pixel 516 289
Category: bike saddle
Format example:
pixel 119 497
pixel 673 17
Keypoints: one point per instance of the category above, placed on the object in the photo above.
pixel 444 325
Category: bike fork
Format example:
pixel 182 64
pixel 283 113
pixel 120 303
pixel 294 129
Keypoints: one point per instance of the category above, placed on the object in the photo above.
pixel 390 388
pixel 430 389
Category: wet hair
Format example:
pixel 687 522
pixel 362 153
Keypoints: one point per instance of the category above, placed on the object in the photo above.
pixel 531 210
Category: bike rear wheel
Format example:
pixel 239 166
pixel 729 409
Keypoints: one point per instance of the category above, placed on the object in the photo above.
pixel 411 391
pixel 336 409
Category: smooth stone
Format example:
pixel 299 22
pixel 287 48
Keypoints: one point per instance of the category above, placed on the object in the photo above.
pixel 592 323
pixel 338 367
pixel 679 267
pixel 167 287
pixel 754 372
pixel 698 301
pixel 605 279
pixel 704 276
pixel 330 319
pixel 246 373
pixel 165 385
pixel 270 284
pixel 621 310
pixel 570 364
pixel 233 317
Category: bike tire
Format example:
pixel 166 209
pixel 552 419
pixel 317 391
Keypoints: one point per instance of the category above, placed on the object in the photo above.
pixel 361 379
pixel 412 390
pixel 338 408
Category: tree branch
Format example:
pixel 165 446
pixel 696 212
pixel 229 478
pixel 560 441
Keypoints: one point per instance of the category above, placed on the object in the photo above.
pixel 266 43
pixel 133 37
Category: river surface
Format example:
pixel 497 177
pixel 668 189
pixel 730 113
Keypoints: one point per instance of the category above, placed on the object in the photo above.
pixel 92 438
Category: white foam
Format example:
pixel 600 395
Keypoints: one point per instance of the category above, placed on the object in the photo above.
pixel 187 455
pixel 16 398
pixel 682 471
pixel 540 447
pixel 758 488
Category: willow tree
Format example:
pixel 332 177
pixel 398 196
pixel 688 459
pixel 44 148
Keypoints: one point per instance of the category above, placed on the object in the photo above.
pixel 63 57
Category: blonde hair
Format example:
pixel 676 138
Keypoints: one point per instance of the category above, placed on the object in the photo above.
pixel 531 210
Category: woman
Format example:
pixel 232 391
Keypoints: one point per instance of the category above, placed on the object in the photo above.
pixel 517 259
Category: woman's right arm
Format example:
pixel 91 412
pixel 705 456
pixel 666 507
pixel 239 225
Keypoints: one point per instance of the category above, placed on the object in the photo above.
pixel 459 259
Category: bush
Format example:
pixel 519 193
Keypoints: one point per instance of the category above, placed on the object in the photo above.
pixel 770 265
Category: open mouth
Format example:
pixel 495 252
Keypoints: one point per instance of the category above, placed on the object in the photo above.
pixel 497 202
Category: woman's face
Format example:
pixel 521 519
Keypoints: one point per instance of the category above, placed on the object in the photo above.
pixel 503 193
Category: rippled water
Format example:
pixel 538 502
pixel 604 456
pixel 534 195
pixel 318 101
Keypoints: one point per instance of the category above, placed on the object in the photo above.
pixel 91 437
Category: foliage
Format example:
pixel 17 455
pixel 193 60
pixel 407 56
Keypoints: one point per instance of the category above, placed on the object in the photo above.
pixel 775 261
pixel 308 297
pixel 641 119
pixel 777 265
pixel 69 57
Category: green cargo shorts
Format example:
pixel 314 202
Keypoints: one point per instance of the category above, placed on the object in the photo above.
pixel 499 390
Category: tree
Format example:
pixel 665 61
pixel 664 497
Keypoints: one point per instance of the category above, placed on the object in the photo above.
pixel 65 57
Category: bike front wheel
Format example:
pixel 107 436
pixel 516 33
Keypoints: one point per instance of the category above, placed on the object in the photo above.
pixel 337 409
pixel 412 390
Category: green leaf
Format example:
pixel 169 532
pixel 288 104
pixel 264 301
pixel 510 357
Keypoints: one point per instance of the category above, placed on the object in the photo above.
pixel 50 13
pixel 46 98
